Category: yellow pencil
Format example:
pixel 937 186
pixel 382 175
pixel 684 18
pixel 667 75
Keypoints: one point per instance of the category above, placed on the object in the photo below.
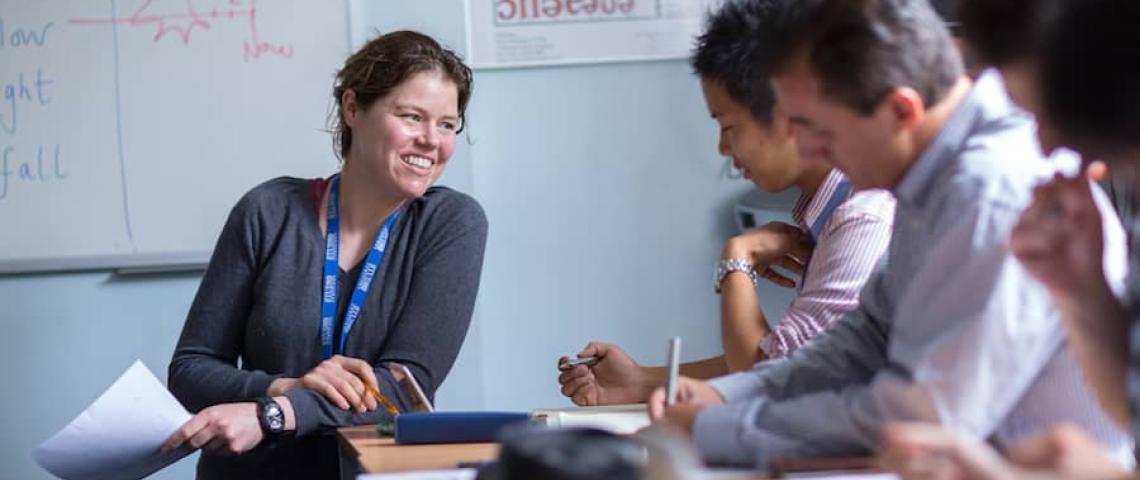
pixel 388 405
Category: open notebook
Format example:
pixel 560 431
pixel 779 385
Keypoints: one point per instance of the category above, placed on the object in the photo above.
pixel 620 419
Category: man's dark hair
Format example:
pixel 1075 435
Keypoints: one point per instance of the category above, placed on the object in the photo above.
pixel 1004 32
pixel 1091 75
pixel 861 49
pixel 948 11
pixel 733 51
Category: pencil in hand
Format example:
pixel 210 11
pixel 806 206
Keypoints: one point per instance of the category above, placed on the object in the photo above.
pixel 388 405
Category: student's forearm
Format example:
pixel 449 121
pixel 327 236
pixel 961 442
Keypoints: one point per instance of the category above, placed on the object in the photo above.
pixel 653 377
pixel 705 369
pixel 1098 332
pixel 743 325
pixel 281 385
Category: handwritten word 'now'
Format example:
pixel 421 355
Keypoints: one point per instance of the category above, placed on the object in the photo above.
pixel 21 37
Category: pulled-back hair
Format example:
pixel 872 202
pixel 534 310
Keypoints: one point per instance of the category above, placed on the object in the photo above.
pixel 383 64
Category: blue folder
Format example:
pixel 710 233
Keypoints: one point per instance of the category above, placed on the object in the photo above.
pixel 454 427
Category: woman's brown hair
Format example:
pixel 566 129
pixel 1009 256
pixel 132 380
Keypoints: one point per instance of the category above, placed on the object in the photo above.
pixel 383 64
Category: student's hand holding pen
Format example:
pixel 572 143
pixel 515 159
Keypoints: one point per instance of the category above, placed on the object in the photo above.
pixel 340 379
pixel 692 396
pixel 612 378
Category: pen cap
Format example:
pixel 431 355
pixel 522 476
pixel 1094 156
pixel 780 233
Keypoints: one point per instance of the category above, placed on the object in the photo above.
pixel 674 365
pixel 531 451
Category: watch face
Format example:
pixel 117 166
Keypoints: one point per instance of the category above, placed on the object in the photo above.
pixel 274 418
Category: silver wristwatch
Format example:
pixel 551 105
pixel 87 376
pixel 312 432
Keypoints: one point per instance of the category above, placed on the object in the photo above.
pixel 729 265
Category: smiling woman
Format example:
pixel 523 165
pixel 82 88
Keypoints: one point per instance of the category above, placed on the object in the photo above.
pixel 405 138
pixel 316 286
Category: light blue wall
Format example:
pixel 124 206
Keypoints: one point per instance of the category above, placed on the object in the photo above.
pixel 65 338
pixel 607 205
pixel 607 210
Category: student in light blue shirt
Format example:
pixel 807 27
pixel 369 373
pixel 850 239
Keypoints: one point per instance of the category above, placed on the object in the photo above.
pixel 953 330
pixel 1076 85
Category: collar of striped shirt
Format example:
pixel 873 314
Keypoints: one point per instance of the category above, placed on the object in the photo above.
pixel 809 207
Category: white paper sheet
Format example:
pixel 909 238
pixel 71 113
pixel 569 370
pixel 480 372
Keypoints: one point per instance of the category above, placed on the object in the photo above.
pixel 622 419
pixel 119 435
pixel 844 476
pixel 455 474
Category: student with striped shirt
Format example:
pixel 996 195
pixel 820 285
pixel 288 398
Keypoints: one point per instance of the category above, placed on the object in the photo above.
pixel 837 239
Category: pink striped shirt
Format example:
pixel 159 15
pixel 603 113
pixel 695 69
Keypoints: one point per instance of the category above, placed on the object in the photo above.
pixel 847 251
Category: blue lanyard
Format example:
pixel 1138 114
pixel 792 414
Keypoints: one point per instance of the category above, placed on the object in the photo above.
pixel 363 283
pixel 838 196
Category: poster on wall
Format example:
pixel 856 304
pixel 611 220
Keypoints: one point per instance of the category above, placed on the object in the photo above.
pixel 521 33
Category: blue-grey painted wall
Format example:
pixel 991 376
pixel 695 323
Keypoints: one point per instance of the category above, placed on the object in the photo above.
pixel 607 204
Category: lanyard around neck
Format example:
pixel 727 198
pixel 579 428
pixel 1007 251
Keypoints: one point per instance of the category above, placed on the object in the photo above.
pixel 838 196
pixel 363 282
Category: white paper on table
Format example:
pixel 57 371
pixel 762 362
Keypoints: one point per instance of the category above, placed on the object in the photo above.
pixel 120 434
pixel 623 419
pixel 453 474
pixel 843 476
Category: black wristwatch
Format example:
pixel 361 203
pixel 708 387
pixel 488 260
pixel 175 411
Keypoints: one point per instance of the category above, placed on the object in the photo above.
pixel 271 417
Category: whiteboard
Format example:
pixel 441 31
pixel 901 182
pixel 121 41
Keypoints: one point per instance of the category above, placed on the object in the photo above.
pixel 129 128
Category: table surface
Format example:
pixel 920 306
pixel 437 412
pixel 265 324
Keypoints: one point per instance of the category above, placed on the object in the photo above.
pixel 376 454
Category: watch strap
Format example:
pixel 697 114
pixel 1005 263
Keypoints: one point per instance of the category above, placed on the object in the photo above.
pixel 728 265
